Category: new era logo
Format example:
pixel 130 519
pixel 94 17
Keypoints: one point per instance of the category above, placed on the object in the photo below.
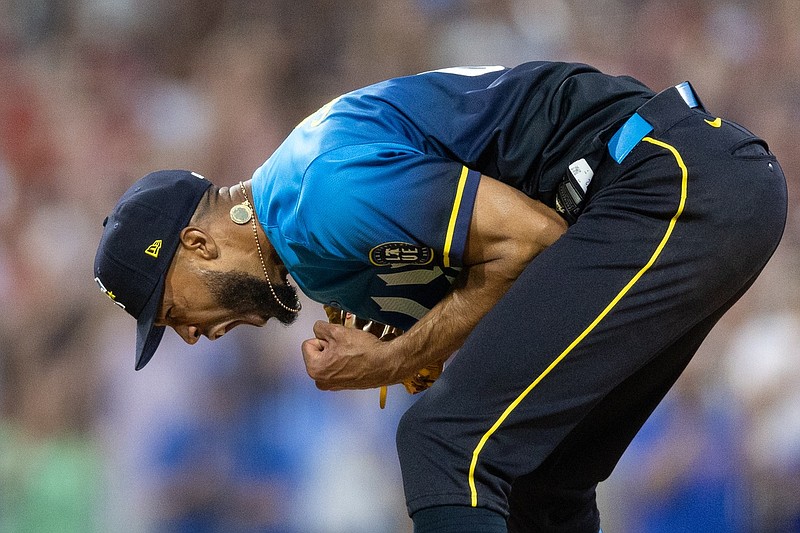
pixel 154 248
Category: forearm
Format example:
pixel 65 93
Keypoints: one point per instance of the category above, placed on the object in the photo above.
pixel 508 230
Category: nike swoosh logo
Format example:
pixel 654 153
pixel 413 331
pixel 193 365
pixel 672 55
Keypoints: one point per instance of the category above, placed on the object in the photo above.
pixel 717 122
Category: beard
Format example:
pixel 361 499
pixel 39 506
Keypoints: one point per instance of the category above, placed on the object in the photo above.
pixel 243 294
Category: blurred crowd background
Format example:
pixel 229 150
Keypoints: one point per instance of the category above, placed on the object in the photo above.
pixel 233 436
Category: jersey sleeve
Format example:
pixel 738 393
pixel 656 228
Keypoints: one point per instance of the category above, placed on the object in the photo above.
pixel 357 198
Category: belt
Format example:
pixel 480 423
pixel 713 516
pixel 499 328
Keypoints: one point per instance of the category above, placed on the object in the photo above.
pixel 664 109
pixel 636 127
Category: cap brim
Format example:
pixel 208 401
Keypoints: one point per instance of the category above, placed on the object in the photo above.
pixel 148 335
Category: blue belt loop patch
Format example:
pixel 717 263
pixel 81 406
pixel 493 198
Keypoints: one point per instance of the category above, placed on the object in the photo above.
pixel 628 136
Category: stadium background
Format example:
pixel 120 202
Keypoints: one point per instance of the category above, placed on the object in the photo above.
pixel 232 436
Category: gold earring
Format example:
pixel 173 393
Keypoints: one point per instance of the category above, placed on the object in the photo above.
pixel 241 213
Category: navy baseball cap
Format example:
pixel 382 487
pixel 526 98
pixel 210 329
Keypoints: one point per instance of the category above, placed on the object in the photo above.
pixel 139 240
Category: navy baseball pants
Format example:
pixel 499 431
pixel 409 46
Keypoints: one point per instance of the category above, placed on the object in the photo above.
pixel 553 384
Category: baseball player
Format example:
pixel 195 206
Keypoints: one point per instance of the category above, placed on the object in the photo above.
pixel 573 235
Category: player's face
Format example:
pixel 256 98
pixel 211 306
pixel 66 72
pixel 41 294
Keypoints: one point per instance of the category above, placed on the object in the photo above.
pixel 211 303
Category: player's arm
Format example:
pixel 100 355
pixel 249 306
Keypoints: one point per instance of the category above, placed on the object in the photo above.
pixel 507 230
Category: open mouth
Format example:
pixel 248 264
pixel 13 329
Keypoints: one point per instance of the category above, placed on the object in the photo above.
pixel 232 325
pixel 225 328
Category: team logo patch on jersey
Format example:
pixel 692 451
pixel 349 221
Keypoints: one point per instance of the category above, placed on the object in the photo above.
pixel 400 253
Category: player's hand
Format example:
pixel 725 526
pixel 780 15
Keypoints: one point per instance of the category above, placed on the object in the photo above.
pixel 348 358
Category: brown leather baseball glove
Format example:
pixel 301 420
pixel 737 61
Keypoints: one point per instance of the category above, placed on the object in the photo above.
pixel 420 381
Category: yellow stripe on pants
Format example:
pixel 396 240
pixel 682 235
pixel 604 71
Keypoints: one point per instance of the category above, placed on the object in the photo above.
pixel 684 182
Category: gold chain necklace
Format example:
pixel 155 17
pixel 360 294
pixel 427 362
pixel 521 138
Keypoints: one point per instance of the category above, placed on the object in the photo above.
pixel 261 255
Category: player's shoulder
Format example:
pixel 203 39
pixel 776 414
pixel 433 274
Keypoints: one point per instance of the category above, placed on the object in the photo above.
pixel 346 172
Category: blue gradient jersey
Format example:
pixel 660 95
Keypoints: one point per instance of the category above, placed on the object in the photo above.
pixel 368 201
